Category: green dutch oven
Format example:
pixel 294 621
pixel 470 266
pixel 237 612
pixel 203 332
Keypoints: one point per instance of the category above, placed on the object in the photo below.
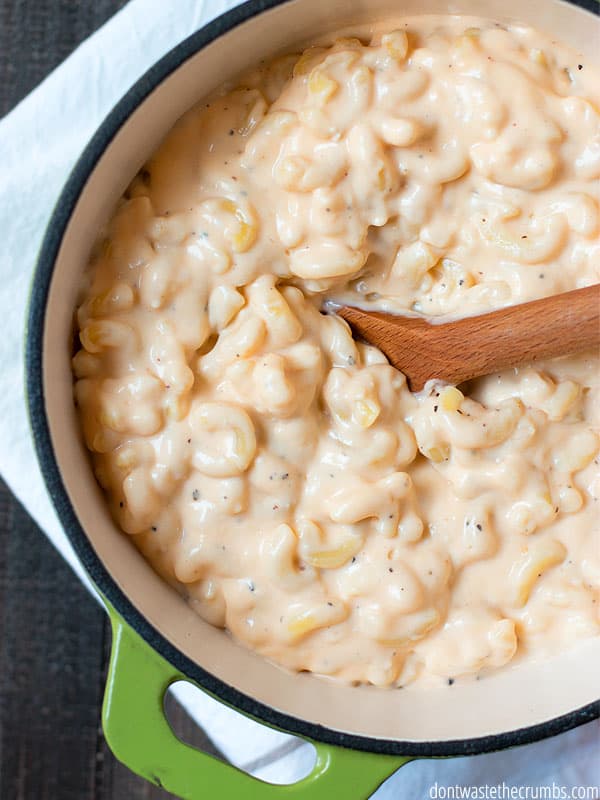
pixel 361 734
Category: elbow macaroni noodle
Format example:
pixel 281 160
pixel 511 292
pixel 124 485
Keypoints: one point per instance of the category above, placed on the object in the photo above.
pixel 280 474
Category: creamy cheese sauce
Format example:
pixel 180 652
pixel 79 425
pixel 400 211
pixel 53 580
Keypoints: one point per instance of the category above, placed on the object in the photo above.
pixel 279 473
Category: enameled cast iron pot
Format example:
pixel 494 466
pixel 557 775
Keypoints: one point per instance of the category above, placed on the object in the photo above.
pixel 361 734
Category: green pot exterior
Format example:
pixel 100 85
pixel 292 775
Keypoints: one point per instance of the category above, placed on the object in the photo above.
pixel 139 735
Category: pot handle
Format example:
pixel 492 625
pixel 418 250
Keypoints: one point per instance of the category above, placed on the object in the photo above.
pixel 139 735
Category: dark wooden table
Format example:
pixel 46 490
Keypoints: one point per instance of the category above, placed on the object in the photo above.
pixel 54 638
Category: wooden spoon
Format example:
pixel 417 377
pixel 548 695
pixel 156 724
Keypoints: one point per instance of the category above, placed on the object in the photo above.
pixel 472 346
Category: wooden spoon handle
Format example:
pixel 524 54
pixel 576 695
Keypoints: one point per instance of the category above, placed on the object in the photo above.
pixel 473 346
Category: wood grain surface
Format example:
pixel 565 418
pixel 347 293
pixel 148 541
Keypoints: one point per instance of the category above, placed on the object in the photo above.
pixel 54 637
pixel 473 346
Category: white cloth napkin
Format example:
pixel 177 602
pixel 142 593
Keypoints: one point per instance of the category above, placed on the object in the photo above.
pixel 40 141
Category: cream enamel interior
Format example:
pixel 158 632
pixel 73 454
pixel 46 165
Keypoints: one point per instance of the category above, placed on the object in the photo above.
pixel 435 715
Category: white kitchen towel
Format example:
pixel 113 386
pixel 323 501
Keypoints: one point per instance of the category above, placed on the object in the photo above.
pixel 40 141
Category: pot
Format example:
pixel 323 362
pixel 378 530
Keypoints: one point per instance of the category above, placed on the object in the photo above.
pixel 362 734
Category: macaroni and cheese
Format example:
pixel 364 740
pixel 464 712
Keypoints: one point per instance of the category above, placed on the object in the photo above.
pixel 279 473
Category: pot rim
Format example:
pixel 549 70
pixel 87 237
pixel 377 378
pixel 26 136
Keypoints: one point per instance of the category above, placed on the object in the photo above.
pixel 36 406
